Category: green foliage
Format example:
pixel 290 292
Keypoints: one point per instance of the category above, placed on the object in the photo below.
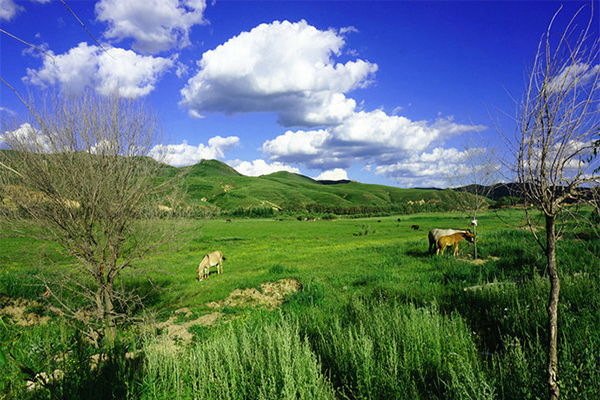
pixel 505 201
pixel 364 230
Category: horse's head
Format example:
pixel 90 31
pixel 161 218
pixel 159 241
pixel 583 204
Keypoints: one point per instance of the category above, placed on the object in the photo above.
pixel 469 236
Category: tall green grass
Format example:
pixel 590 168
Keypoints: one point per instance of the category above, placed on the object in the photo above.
pixel 377 351
pixel 381 350
pixel 243 361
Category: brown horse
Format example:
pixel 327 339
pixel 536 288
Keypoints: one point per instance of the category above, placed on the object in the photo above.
pixel 435 234
pixel 452 240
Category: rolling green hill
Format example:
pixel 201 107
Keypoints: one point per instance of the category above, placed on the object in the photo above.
pixel 214 184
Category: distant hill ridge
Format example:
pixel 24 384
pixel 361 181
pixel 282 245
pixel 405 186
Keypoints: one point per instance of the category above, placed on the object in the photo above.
pixel 215 184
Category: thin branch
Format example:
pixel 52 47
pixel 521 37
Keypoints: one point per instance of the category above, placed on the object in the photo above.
pixel 85 27
pixel 27 44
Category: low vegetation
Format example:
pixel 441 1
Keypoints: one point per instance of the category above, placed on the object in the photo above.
pixel 375 317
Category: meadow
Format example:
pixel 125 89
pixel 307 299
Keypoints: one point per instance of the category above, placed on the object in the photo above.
pixel 376 317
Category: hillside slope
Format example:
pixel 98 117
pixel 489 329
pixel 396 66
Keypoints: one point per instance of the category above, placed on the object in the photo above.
pixel 213 183
pixel 216 186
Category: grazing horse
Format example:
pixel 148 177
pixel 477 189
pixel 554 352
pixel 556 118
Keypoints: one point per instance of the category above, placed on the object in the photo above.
pixel 210 260
pixel 415 227
pixel 435 234
pixel 453 240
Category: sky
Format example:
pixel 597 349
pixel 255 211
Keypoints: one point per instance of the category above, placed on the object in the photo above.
pixel 385 92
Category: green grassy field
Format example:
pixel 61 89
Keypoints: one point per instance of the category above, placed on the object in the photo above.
pixel 377 316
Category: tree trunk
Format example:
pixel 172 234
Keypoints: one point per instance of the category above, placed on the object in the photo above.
pixel 552 307
pixel 105 305
pixel 110 328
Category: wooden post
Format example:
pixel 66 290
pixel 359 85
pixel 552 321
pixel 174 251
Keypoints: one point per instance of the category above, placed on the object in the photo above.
pixel 474 225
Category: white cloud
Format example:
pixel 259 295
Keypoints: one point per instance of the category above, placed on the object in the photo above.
pixel 427 169
pixel 8 8
pixel 297 144
pixel 154 25
pixel 130 74
pixel 574 75
pixel 260 167
pixel 367 137
pixel 7 110
pixel 184 154
pixel 336 174
pixel 26 137
pixel 282 67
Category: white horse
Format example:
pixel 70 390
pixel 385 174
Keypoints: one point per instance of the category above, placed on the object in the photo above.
pixel 435 234
pixel 210 260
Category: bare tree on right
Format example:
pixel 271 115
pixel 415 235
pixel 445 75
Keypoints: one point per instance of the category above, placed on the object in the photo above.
pixel 557 123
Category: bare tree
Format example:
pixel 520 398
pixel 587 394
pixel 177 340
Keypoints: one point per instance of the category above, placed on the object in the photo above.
pixel 78 174
pixel 557 119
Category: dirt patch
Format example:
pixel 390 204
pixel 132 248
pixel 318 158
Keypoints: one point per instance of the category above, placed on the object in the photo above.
pixel 17 311
pixel 528 228
pixel 271 295
pixel 177 332
pixel 481 261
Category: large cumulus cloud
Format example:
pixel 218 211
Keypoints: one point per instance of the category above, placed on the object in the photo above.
pixel 282 67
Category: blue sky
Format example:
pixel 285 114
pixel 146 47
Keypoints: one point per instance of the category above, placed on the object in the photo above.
pixel 387 92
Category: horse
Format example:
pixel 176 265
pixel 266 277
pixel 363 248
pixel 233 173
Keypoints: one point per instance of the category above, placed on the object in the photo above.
pixel 210 260
pixel 435 234
pixel 415 227
pixel 453 240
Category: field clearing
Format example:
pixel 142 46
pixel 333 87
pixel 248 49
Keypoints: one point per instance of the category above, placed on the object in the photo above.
pixel 377 316
pixel 341 254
